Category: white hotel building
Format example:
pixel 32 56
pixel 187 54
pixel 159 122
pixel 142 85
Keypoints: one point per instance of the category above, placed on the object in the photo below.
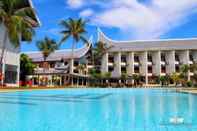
pixel 11 59
pixel 147 58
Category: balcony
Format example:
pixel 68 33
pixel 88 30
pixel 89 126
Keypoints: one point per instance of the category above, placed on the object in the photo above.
pixel 110 64
pixel 163 63
pixel 47 71
pixel 191 73
pixel 136 64
pixel 191 62
pixel 123 64
pixel 61 66
pixel 163 74
pixel 150 63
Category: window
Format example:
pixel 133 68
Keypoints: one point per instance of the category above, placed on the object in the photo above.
pixel 150 69
pixel 163 69
pixel 191 57
pixel 150 58
pixel 10 74
pixel 123 70
pixel 176 57
pixel 123 58
pixel 136 69
pixel 163 58
pixel 136 58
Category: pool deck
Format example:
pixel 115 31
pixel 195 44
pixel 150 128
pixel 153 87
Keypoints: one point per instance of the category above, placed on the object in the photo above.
pixel 191 91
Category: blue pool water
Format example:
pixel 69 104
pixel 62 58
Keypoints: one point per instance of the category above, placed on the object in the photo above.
pixel 97 110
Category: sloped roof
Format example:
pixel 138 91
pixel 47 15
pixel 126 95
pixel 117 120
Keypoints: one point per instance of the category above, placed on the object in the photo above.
pixel 60 54
pixel 148 45
pixel 33 14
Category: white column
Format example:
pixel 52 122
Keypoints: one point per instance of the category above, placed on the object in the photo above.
pixel 144 66
pixel 104 66
pixel 117 68
pixel 157 63
pixel 170 59
pixel 130 63
pixel 71 65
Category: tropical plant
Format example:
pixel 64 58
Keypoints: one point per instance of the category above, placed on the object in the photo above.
pixel 137 79
pixel 26 67
pixel 18 21
pixel 47 46
pixel 106 75
pixel 184 70
pixel 189 83
pixel 175 78
pixel 99 50
pixel 193 68
pixel 163 80
pixel 74 29
pixel 124 76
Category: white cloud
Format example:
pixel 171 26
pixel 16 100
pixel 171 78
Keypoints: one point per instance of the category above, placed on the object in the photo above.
pixel 147 21
pixel 86 13
pixel 75 3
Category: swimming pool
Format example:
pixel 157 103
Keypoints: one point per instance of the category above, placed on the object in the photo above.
pixel 97 110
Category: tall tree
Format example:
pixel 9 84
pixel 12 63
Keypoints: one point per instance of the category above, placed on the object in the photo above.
pixel 47 46
pixel 74 29
pixel 99 49
pixel 26 67
pixel 185 70
pixel 18 22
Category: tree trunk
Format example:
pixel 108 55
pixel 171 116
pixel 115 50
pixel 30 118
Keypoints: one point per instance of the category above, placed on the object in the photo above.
pixel 72 60
pixel 2 55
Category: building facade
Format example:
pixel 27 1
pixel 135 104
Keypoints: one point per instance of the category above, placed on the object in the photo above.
pixel 60 65
pixel 11 59
pixel 147 58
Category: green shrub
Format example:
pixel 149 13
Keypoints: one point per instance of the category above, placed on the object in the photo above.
pixel 189 84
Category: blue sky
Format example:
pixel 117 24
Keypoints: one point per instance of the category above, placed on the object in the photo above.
pixel 118 19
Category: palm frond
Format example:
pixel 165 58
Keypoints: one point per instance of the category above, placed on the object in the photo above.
pixel 84 40
pixel 64 38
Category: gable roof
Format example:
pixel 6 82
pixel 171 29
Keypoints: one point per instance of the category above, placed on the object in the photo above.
pixel 148 45
pixel 58 55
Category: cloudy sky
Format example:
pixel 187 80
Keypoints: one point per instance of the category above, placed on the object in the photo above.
pixel 119 19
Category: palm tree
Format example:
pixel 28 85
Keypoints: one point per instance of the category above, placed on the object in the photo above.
pixel 184 70
pixel 74 29
pixel 98 51
pixel 193 68
pixel 18 22
pixel 162 79
pixel 47 46
pixel 136 79
pixel 26 67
